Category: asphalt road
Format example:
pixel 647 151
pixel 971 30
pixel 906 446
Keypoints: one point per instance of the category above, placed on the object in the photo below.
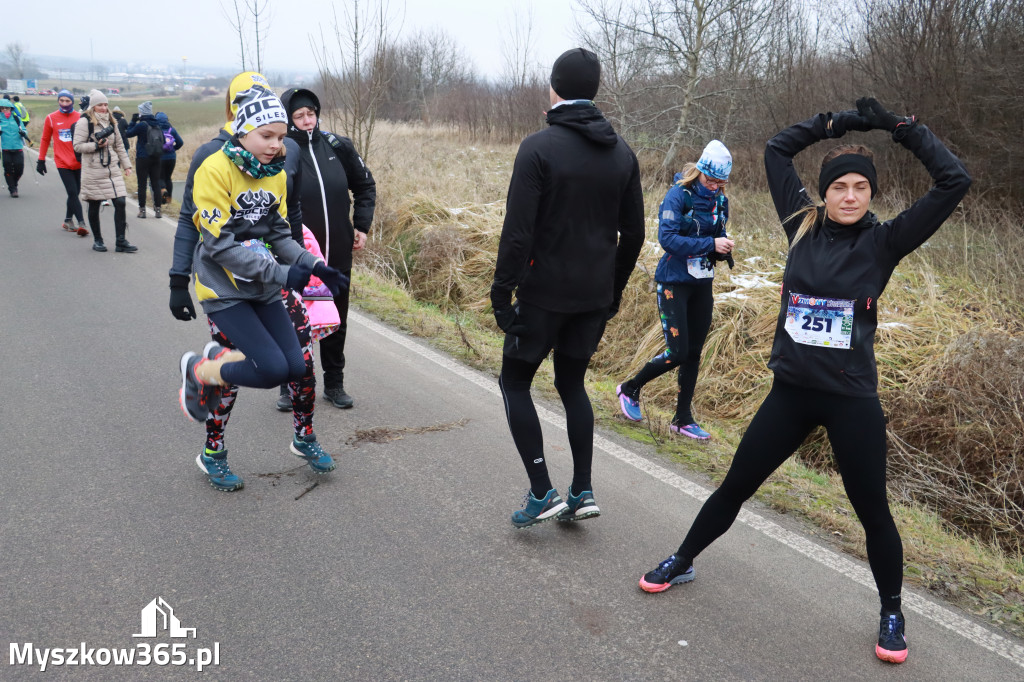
pixel 402 564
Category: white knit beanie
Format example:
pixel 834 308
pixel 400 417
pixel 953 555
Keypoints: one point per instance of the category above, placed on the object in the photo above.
pixel 715 161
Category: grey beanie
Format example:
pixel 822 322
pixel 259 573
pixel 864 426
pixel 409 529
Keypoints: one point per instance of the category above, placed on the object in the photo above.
pixel 146 108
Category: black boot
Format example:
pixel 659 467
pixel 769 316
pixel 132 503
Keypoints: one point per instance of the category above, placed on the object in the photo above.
pixel 336 396
pixel 97 245
pixel 122 245
pixel 284 401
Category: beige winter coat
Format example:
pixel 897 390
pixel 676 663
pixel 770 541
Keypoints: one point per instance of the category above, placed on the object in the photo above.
pixel 101 174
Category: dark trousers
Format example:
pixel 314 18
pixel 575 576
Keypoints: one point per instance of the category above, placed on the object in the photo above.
pixel 856 431
pixel 120 220
pixel 72 180
pixel 265 334
pixel 148 168
pixel 166 169
pixel 332 348
pixel 14 166
pixel 685 318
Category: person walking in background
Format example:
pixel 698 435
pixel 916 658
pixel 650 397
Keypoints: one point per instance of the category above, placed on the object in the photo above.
pixel 122 126
pixel 840 259
pixel 691 229
pixel 103 160
pixel 574 227
pixel 212 460
pixel 12 131
pixel 148 151
pixel 169 157
pixel 332 170
pixel 23 112
pixel 58 127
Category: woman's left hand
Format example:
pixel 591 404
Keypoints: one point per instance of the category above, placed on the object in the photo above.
pixel 127 171
pixel 360 241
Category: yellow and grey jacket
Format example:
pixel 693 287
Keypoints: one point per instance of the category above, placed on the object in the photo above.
pixel 245 243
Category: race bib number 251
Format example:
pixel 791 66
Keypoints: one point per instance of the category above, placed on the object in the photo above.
pixel 815 321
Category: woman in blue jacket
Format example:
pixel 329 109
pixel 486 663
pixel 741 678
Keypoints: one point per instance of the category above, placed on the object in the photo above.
pixel 692 232
pixel 169 159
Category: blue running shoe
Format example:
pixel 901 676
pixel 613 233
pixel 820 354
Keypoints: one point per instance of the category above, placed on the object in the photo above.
pixel 309 449
pixel 579 507
pixel 629 405
pixel 215 466
pixel 690 431
pixel 535 511
pixel 669 572
pixel 892 643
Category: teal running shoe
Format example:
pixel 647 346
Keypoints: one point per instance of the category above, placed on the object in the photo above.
pixel 535 511
pixel 579 507
pixel 215 466
pixel 309 449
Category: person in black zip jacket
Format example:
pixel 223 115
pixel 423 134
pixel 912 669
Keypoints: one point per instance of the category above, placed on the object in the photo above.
pixel 147 165
pixel 840 260
pixel 331 169
pixel 574 227
pixel 213 459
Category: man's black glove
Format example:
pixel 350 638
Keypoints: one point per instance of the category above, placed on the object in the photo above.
pixel 298 277
pixel 41 166
pixel 509 321
pixel 135 117
pixel 181 302
pixel 335 280
pixel 843 122
pixel 880 118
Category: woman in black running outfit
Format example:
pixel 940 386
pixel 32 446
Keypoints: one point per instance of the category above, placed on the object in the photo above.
pixel 691 229
pixel 840 260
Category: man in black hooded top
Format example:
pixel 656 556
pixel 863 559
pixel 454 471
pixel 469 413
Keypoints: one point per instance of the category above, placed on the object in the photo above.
pixel 574 227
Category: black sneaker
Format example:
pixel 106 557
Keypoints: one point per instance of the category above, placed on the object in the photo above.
pixel 669 572
pixel 98 246
pixel 336 396
pixel 892 643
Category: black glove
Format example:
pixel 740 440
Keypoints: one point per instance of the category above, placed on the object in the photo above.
pixel 298 277
pixel 843 122
pixel 727 257
pixel 181 302
pixel 509 321
pixel 41 166
pixel 879 117
pixel 334 279
pixel 135 117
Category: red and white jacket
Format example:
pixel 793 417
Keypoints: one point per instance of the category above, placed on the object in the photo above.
pixel 58 127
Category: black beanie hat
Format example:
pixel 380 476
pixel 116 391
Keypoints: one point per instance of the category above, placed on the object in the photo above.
pixel 301 99
pixel 847 163
pixel 576 74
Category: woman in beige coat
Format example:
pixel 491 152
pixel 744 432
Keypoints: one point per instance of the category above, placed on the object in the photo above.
pixel 103 158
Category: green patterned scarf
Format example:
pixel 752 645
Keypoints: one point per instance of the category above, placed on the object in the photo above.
pixel 249 164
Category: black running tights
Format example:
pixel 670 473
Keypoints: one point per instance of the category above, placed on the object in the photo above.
pixel 72 180
pixel 120 221
pixel 856 431
pixel 515 380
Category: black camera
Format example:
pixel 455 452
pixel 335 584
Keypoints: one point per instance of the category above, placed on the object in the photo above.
pixel 104 133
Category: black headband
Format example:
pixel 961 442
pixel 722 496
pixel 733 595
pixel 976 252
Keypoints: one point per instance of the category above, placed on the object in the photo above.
pixel 847 163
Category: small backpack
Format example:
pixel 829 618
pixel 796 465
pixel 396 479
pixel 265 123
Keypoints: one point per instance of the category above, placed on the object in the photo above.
pixel 154 140
pixel 168 140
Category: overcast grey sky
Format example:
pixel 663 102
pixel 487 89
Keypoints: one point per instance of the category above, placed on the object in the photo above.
pixel 198 29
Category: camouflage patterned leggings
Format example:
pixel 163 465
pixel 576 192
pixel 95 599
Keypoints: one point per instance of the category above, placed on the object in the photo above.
pixel 303 392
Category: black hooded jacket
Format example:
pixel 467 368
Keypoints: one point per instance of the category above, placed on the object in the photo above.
pixel 846 268
pixel 331 168
pixel 575 189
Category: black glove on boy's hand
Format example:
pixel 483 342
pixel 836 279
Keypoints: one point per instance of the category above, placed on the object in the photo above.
pixel 41 166
pixel 334 279
pixel 509 321
pixel 298 277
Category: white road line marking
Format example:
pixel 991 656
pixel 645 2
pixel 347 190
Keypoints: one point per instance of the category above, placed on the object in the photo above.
pixel 941 615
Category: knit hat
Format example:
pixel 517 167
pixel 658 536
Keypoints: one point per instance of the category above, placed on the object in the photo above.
pixel 302 98
pixel 65 93
pixel 257 107
pixel 241 82
pixel 576 74
pixel 146 108
pixel 715 161
pixel 97 97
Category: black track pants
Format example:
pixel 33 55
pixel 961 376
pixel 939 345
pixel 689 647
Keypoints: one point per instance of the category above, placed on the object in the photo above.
pixel 72 180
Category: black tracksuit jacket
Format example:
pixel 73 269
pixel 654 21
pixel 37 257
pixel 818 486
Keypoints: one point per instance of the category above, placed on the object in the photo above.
pixel 575 188
pixel 329 173
pixel 850 262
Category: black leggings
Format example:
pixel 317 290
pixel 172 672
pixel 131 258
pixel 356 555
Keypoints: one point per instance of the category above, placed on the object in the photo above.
pixel 685 318
pixel 166 170
pixel 856 431
pixel 514 381
pixel 120 220
pixel 72 180
pixel 148 168
pixel 14 166
pixel 265 334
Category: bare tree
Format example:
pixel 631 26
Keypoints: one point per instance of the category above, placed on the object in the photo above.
pixel 14 54
pixel 242 15
pixel 259 11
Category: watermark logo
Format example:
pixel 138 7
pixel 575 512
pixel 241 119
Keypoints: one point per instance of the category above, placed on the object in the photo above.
pixel 157 620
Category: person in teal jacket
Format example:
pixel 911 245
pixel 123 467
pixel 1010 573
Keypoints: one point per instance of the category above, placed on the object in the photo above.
pixel 12 130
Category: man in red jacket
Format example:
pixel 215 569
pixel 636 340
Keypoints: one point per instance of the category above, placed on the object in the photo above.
pixel 58 128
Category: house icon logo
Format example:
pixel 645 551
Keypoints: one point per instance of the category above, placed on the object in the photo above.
pixel 158 615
